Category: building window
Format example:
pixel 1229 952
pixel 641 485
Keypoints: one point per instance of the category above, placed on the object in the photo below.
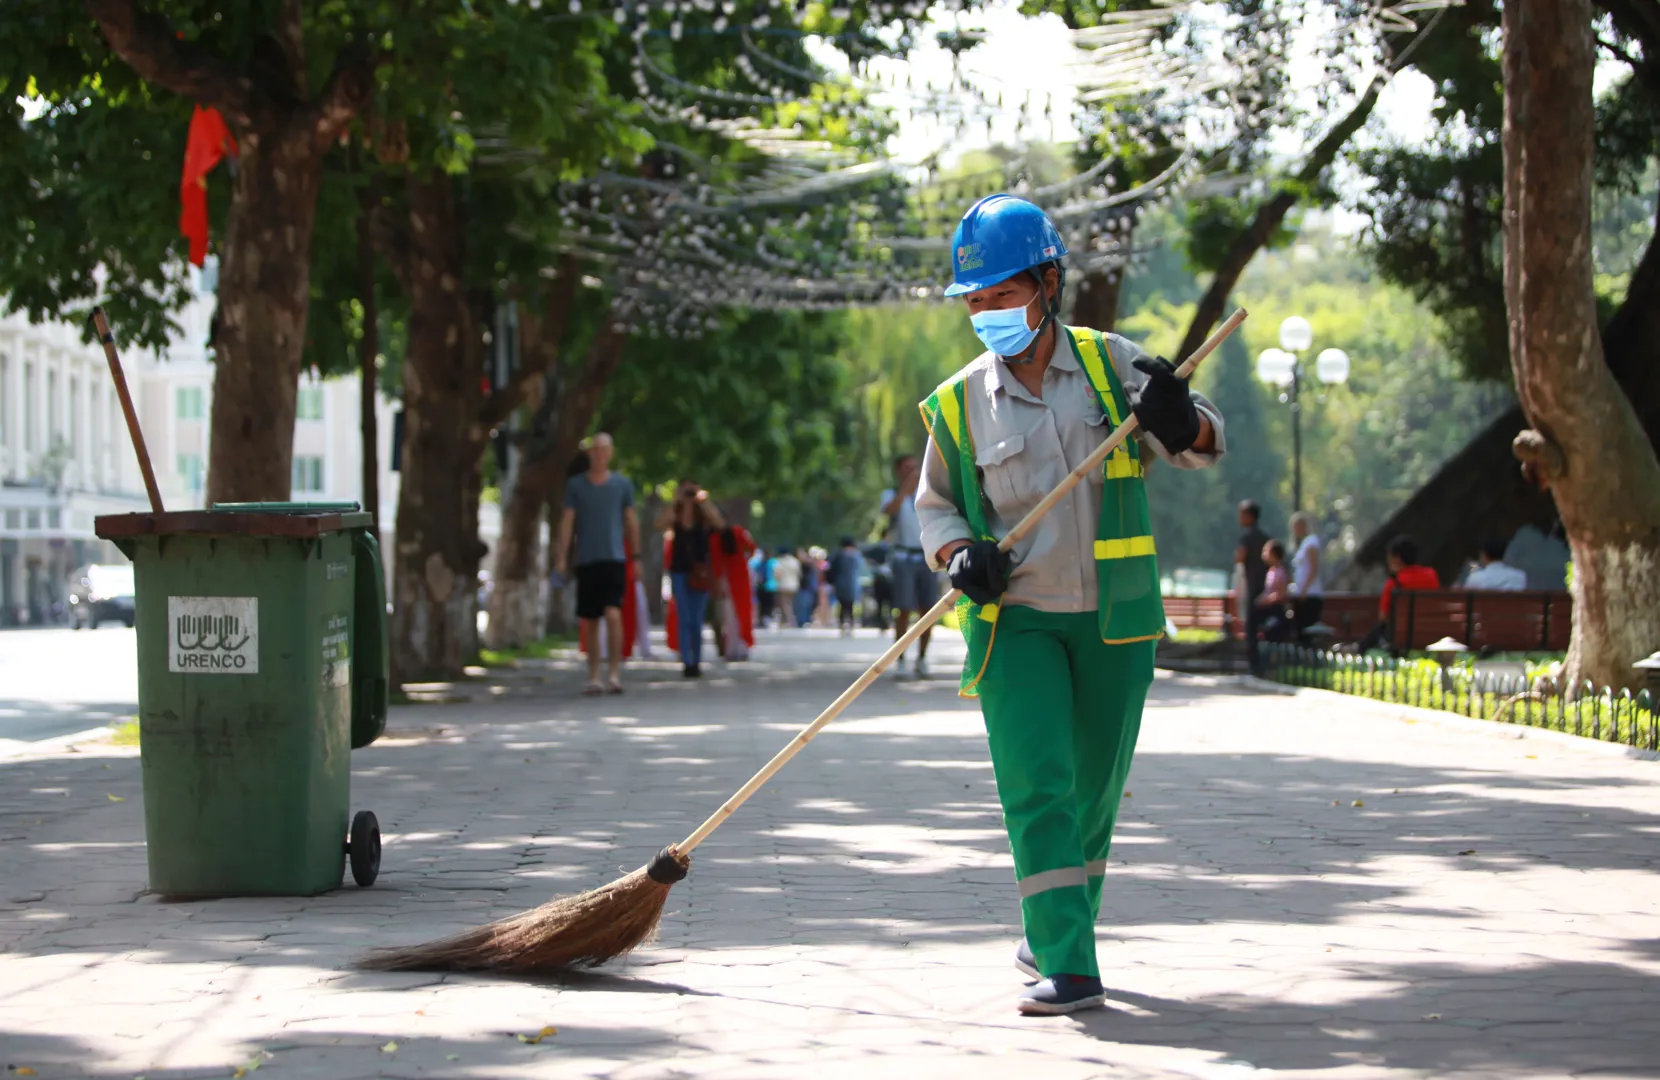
pixel 187 402
pixel 51 406
pixel 310 404
pixel 190 471
pixel 308 474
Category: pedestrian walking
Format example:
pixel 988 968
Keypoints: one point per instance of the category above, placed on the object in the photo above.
pixel 1307 571
pixel 806 599
pixel 844 582
pixel 823 589
pixel 914 586
pixel 786 580
pixel 690 520
pixel 881 583
pixel 1061 629
pixel 1252 573
pixel 762 583
pixel 599 512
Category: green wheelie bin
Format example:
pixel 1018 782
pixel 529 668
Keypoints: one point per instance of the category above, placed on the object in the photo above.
pixel 262 662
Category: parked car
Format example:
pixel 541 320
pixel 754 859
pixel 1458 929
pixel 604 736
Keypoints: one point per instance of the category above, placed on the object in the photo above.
pixel 101 594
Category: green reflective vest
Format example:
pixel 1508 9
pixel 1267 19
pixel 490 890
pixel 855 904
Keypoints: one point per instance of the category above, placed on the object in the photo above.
pixel 1126 566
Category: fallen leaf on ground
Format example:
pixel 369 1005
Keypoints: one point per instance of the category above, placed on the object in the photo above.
pixel 452 1057
pixel 1337 802
pixel 21 1070
pixel 1432 1016
pixel 1357 802
pixel 1129 794
pixel 539 1036
pixel 1468 851
pixel 115 798
pixel 389 1048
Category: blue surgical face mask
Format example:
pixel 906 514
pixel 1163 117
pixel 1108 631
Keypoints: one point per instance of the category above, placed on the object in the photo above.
pixel 1004 330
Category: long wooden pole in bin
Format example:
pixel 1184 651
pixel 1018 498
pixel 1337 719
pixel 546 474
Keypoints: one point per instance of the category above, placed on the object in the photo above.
pixel 946 603
pixel 102 326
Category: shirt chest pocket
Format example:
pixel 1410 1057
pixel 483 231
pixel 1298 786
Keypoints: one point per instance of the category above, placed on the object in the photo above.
pixel 1007 475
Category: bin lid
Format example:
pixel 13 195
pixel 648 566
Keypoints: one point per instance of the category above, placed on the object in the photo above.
pixel 293 520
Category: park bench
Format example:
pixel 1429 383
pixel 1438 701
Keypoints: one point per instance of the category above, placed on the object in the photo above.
pixel 1198 612
pixel 1528 621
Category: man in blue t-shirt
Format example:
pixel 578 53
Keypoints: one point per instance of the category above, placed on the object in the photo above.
pixel 599 508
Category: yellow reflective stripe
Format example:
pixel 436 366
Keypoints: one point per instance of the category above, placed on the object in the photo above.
pixel 1095 368
pixel 1121 466
pixel 1128 548
pixel 950 414
pixel 988 613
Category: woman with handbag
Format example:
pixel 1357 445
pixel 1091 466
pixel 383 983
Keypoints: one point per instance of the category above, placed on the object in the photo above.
pixel 692 519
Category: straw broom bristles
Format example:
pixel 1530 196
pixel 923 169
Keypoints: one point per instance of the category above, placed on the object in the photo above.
pixel 573 931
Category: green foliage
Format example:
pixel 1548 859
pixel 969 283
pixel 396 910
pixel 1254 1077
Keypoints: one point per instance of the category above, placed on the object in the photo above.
pixel 1434 210
pixel 758 407
pixel 1421 682
pixel 89 179
pixel 1213 225
pixel 1367 445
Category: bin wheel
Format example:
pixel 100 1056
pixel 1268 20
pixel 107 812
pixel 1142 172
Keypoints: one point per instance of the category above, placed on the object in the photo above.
pixel 363 849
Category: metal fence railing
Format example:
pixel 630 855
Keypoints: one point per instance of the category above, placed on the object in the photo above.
pixel 1616 716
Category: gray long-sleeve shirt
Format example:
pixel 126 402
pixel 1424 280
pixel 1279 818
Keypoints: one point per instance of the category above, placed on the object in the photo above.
pixel 1024 446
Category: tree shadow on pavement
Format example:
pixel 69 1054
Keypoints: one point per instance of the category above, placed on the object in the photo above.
pixel 1438 1018
pixel 887 832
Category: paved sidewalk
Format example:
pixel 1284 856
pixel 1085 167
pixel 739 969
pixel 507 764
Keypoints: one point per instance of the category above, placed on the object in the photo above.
pixel 1296 888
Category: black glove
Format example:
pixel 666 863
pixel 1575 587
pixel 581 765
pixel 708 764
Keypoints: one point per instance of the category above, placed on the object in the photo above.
pixel 1164 406
pixel 980 571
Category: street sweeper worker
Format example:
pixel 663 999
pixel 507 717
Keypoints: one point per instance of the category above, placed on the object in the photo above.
pixel 1061 629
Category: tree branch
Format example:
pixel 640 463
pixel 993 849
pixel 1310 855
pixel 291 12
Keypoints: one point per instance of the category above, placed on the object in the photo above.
pixel 1268 218
pixel 348 91
pixel 539 339
pixel 151 48
pixel 391 241
pixel 1640 20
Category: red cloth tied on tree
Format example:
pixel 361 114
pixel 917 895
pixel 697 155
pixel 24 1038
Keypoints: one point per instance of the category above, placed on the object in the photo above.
pixel 210 140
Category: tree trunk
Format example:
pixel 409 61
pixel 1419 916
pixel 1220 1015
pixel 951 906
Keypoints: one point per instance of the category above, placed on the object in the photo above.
pixel 540 482
pixel 368 351
pixel 282 134
pixel 1585 440
pixel 259 330
pixel 1098 294
pixel 1268 218
pixel 434 632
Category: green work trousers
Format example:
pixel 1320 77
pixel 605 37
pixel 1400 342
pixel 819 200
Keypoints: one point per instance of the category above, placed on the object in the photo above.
pixel 1062 711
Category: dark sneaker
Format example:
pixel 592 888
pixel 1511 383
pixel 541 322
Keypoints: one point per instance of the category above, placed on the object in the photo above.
pixel 1063 994
pixel 1026 962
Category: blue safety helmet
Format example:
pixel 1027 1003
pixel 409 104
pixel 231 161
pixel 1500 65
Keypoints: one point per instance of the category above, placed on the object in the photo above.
pixel 999 237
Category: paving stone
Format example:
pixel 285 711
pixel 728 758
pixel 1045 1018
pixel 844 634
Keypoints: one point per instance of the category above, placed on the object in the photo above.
pixel 857 918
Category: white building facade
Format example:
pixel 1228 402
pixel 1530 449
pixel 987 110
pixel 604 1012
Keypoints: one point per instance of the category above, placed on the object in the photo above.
pixel 65 455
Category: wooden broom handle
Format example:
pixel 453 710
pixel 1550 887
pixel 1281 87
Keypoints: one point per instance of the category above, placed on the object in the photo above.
pixel 102 326
pixel 938 611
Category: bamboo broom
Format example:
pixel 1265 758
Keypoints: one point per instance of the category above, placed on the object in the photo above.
pixel 590 928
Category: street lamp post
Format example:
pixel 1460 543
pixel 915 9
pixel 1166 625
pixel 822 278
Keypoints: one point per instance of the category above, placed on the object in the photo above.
pixel 1281 367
